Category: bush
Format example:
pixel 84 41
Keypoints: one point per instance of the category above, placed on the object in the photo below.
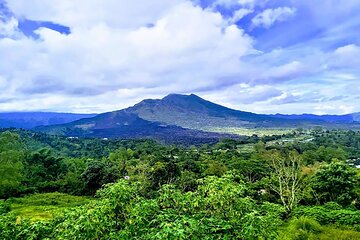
pixel 331 213
pixel 301 228
pixel 336 182
pixel 217 209
pixel 338 234
pixel 306 224
pixel 305 228
pixel 15 228
pixel 4 207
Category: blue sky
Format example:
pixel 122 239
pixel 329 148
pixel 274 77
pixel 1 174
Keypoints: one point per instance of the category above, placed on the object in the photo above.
pixel 264 56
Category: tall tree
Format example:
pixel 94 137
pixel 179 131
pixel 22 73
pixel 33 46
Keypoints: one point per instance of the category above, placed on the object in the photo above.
pixel 336 182
pixel 11 166
pixel 286 177
pixel 120 158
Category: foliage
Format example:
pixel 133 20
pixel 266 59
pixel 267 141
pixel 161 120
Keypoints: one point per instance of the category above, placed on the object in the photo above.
pixel 218 207
pixel 271 187
pixel 11 155
pixel 43 206
pixel 331 213
pixel 324 154
pixel 304 228
pixel 286 178
pixel 336 182
pixel 4 207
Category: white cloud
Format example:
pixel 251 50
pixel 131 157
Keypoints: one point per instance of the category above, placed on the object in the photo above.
pixel 346 56
pixel 350 50
pixel 286 71
pixel 269 17
pixel 240 14
pixel 243 94
pixel 324 108
pixel 119 52
pixel 234 3
pixel 87 13
pixel 185 48
pixel 9 28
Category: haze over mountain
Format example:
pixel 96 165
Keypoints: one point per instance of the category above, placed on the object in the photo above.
pixel 347 118
pixel 28 120
pixel 183 116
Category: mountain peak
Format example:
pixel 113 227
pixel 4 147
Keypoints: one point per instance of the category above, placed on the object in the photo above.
pixel 191 102
pixel 191 111
pixel 172 98
pixel 181 96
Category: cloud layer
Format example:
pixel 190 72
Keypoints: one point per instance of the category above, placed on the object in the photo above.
pixel 235 52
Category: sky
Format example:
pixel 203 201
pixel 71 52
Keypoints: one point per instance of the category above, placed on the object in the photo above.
pixel 263 56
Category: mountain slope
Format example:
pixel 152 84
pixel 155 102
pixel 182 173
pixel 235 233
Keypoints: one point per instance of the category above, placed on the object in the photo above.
pixel 28 120
pixel 121 124
pixel 182 117
pixel 191 111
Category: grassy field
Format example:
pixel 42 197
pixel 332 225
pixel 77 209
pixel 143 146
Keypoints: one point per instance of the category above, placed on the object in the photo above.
pixel 43 206
pixel 251 131
pixel 248 148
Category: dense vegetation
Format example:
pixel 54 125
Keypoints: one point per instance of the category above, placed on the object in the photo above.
pixel 299 185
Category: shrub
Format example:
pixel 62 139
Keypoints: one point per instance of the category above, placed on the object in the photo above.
pixel 331 213
pixel 305 228
pixel 4 207
pixel 300 229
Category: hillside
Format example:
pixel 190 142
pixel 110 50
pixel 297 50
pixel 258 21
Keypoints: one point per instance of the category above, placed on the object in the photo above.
pixel 191 111
pixel 122 124
pixel 183 117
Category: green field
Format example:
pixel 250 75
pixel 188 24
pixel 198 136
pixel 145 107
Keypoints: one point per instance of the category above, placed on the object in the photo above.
pixel 44 206
pixel 252 131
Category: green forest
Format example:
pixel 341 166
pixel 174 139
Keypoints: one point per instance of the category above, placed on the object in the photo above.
pixel 304 184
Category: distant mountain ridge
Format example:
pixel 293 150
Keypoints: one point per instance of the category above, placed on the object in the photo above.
pixel 174 117
pixel 347 118
pixel 191 111
pixel 28 120
pixel 185 116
